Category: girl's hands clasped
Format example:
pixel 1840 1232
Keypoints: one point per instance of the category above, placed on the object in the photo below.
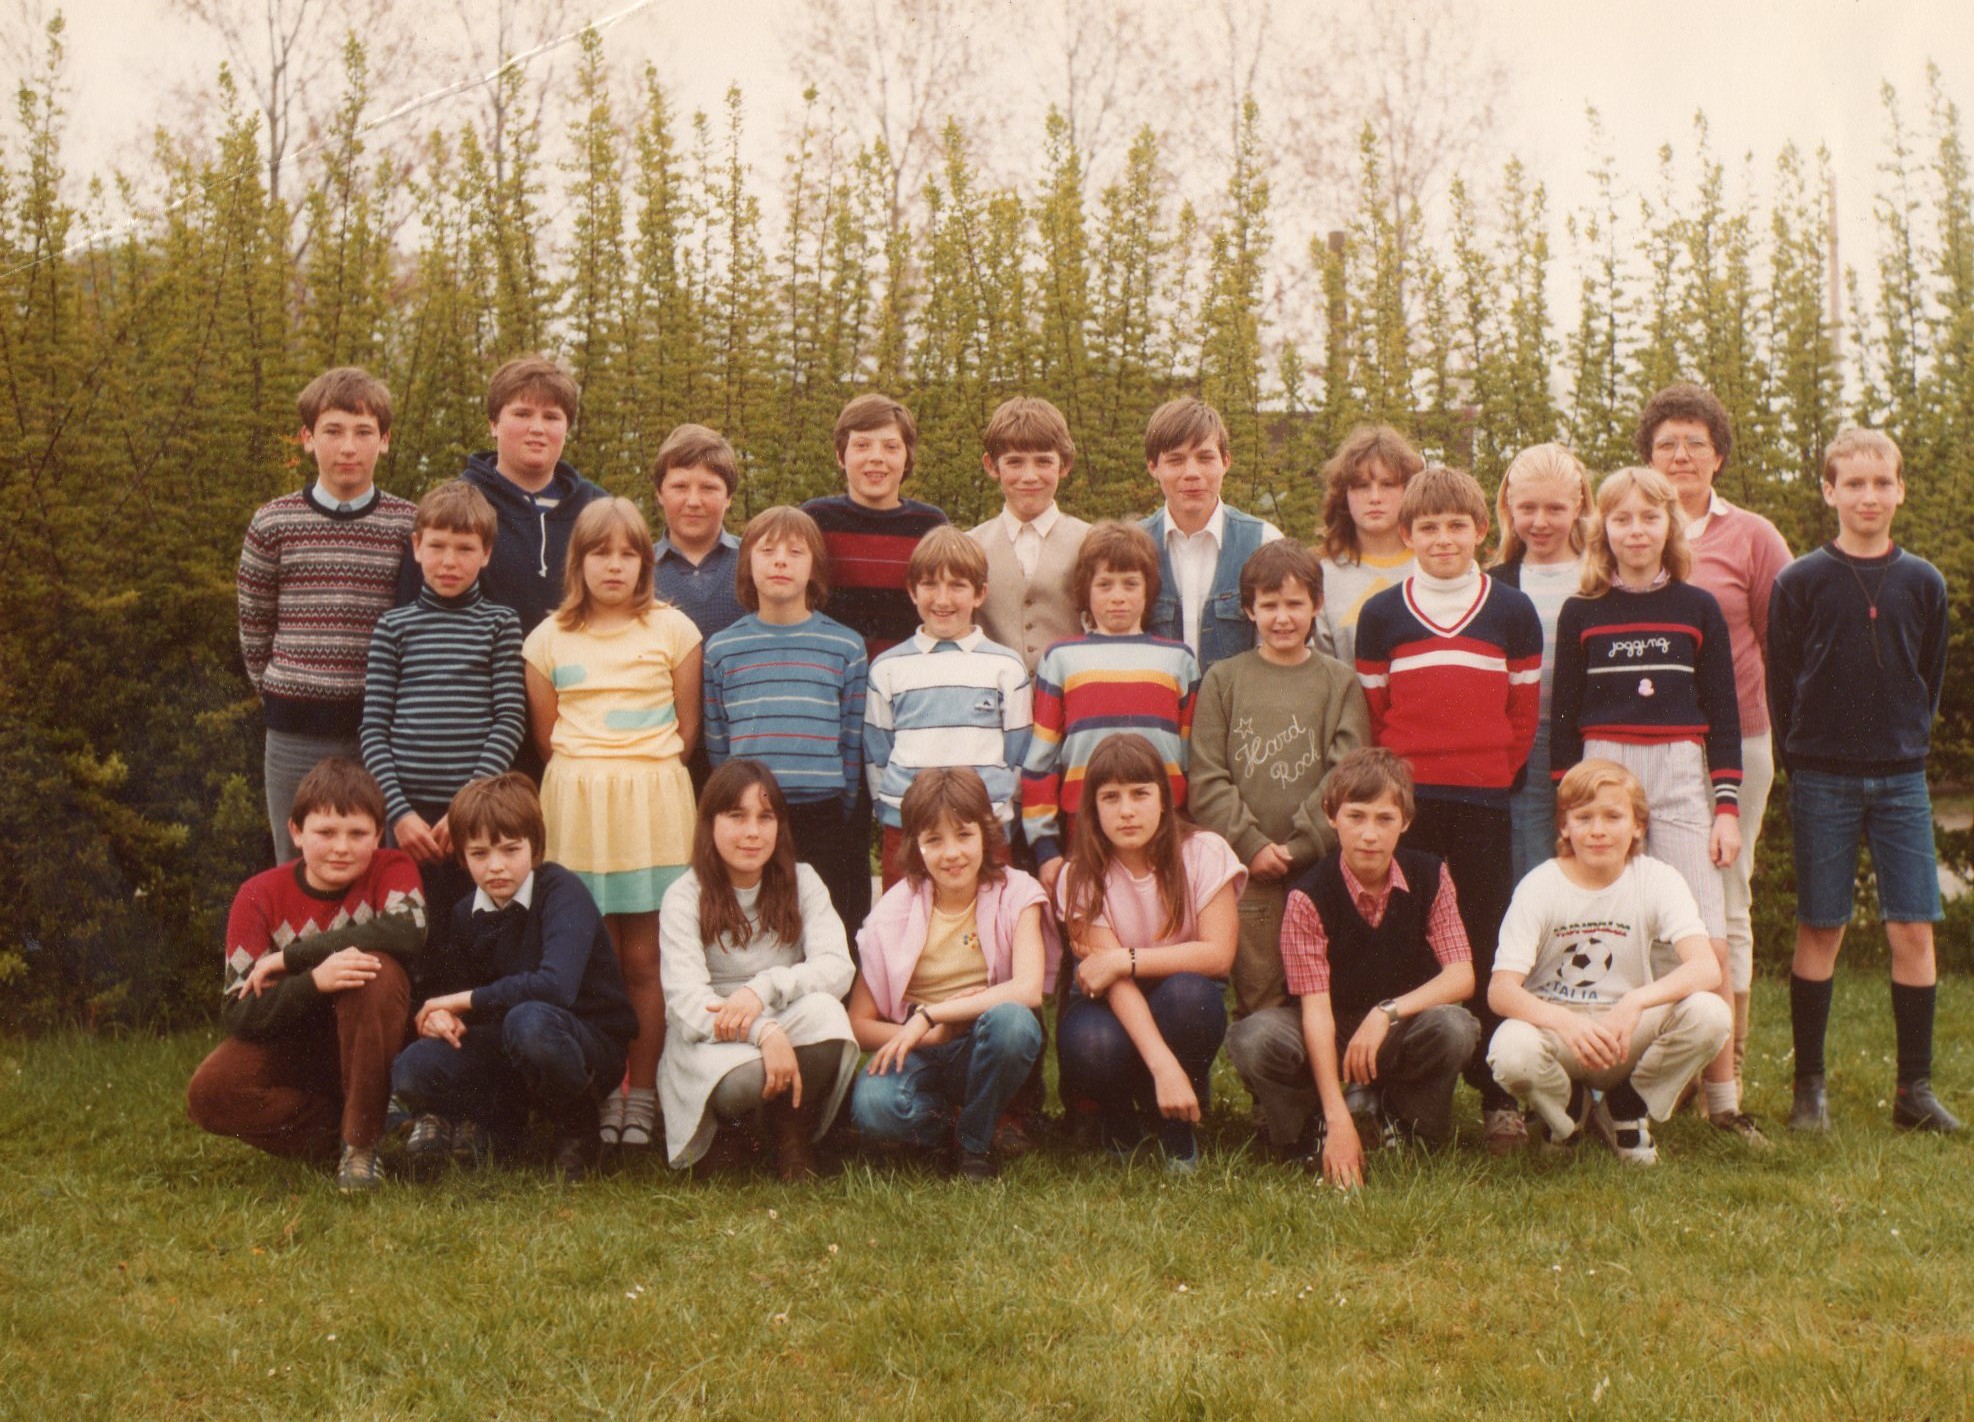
pixel 736 1015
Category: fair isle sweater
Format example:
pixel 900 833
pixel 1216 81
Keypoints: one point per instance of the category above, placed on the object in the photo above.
pixel 311 586
pixel 445 701
pixel 1648 668
pixel 1089 688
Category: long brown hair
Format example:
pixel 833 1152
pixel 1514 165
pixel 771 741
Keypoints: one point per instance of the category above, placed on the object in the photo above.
pixel 779 909
pixel 1125 759
pixel 1350 468
pixel 593 530
pixel 956 794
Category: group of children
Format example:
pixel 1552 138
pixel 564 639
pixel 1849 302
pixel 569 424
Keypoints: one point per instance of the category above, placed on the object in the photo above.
pixel 1430 820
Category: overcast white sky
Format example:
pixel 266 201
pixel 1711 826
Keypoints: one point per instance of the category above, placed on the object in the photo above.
pixel 1765 71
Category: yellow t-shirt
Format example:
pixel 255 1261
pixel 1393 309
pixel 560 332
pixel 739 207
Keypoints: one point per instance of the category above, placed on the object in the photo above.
pixel 613 690
pixel 952 961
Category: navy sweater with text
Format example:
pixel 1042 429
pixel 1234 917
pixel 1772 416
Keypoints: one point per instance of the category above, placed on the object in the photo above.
pixel 1648 668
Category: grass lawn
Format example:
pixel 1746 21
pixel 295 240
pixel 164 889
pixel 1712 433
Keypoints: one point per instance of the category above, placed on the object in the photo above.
pixel 148 1271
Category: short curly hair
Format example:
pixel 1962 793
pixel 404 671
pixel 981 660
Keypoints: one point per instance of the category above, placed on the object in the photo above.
pixel 1685 401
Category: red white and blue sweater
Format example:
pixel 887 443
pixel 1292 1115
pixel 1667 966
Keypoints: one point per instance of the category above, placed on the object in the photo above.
pixel 1648 668
pixel 1457 696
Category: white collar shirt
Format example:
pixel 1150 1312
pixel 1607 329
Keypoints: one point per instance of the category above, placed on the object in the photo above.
pixel 524 896
pixel 1193 557
pixel 1027 537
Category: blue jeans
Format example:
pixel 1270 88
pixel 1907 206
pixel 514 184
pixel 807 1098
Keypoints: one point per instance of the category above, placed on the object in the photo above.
pixel 1830 815
pixel 1100 1065
pixel 537 1054
pixel 979 1073
pixel 1532 809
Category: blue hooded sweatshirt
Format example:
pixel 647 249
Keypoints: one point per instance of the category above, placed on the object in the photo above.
pixel 525 572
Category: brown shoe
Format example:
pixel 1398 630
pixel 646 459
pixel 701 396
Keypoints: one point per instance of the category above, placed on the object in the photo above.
pixel 791 1127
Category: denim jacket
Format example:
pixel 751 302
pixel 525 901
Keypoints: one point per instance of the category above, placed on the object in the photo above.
pixel 1224 630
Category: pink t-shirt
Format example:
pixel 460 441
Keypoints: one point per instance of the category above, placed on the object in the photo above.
pixel 1131 908
pixel 1736 560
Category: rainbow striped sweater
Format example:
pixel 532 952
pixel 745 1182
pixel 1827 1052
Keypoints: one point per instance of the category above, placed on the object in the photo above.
pixel 1091 687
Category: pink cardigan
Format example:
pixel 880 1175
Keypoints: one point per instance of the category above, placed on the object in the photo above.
pixel 894 935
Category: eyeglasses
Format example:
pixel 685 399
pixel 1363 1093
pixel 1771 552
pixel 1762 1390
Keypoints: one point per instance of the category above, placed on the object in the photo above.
pixel 1690 446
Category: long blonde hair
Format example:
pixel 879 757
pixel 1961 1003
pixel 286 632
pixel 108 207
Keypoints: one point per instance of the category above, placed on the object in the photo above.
pixel 1542 461
pixel 595 526
pixel 1600 565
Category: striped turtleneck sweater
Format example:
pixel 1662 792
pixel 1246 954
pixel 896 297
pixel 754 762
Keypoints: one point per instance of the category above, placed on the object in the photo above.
pixel 311 585
pixel 444 701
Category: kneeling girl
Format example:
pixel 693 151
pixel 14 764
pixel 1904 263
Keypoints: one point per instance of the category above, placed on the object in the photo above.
pixel 1149 905
pixel 754 964
pixel 953 961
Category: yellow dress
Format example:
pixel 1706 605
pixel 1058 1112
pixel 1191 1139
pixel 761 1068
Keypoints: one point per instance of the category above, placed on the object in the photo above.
pixel 616 796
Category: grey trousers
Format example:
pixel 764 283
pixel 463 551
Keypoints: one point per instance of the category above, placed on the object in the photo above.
pixel 738 1094
pixel 1418 1066
pixel 290 756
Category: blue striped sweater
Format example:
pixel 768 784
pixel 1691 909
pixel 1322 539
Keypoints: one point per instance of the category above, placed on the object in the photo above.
pixel 791 696
pixel 946 703
pixel 444 700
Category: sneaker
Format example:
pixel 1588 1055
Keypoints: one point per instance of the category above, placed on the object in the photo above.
pixel 1182 1165
pixel 975 1166
pixel 430 1141
pixel 1630 1141
pixel 1503 1130
pixel 471 1145
pixel 640 1120
pixel 610 1124
pixel 358 1172
pixel 1742 1125
pixel 1811 1109
pixel 1916 1108
pixel 1580 1104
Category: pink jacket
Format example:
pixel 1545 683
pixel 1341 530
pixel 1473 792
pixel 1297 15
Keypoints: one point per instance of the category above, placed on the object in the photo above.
pixel 894 935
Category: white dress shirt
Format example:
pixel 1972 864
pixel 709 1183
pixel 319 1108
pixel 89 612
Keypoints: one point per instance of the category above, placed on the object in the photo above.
pixel 1027 537
pixel 1194 557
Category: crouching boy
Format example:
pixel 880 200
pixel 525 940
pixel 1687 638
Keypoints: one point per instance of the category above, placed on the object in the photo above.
pixel 526 1008
pixel 1573 976
pixel 1373 946
pixel 317 999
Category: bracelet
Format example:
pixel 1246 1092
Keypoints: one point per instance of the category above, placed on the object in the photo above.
pixel 1134 963
pixel 919 1009
pixel 770 1026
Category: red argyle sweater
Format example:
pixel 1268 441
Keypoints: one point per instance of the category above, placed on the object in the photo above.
pixel 1459 702
pixel 382 912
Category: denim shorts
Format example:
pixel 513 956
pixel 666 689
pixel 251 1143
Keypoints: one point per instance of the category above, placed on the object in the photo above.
pixel 1830 814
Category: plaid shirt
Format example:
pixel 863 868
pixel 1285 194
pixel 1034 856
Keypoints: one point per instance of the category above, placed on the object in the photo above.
pixel 1306 943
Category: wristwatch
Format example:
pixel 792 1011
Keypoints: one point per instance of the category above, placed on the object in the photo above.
pixel 1389 1007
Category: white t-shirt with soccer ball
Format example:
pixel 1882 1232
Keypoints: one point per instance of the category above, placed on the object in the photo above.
pixel 1581 947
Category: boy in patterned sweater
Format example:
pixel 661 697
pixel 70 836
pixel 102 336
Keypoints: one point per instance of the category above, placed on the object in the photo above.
pixel 444 699
pixel 317 569
pixel 1118 678
pixel 1451 664
pixel 317 997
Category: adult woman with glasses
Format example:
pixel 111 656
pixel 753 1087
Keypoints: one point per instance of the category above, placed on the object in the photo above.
pixel 1686 435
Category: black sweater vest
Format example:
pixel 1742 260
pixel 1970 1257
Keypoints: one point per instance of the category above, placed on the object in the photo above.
pixel 1368 965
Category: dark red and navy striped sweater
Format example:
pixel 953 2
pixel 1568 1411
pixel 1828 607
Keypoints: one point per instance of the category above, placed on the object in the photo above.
pixel 868 551
pixel 1459 702
pixel 1647 668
